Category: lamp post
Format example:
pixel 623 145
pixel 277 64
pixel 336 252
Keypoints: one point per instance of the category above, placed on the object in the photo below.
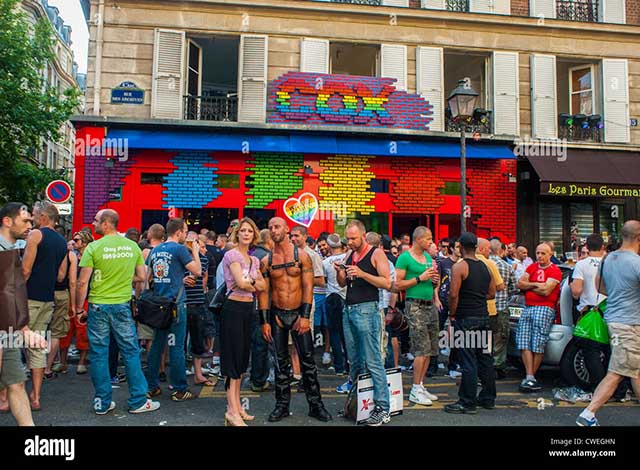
pixel 462 102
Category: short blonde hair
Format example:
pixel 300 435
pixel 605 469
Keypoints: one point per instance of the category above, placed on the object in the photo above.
pixel 83 235
pixel 245 220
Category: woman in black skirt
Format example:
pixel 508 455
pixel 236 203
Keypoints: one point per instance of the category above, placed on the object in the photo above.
pixel 243 279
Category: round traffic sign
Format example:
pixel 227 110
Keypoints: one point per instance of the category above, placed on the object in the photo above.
pixel 58 191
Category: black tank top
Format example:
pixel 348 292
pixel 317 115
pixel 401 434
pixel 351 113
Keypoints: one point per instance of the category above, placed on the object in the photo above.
pixel 51 251
pixel 359 290
pixel 64 285
pixel 473 291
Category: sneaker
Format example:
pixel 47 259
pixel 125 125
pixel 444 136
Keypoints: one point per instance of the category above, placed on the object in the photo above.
pixel 216 370
pixel 528 386
pixel 440 365
pixel 154 393
pixel 345 387
pixel 60 368
pixel 148 406
pixel 81 369
pixel 409 356
pixel 182 396
pixel 326 358
pixel 416 396
pixel 189 371
pixel 454 374
pixel 260 388
pixel 378 416
pixel 427 394
pixel 584 422
pixel 112 407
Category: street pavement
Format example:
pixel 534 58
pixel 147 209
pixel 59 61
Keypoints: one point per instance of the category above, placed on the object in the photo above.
pixel 67 399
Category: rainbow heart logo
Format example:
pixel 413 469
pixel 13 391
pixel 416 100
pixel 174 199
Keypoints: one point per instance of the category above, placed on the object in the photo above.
pixel 301 209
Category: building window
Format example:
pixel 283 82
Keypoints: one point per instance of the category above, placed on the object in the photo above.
pixel 152 178
pixel 611 218
pixel 229 181
pixel 354 59
pixel 581 90
pixel 379 186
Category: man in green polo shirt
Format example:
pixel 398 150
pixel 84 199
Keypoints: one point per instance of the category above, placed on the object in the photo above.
pixel 115 262
pixel 418 275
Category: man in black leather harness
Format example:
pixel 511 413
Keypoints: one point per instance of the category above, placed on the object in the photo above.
pixel 289 276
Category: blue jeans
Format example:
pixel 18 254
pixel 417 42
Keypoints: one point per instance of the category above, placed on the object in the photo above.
pixel 259 353
pixel 334 306
pixel 177 373
pixel 117 319
pixel 363 330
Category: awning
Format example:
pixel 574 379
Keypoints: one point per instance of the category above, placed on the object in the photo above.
pixel 589 173
pixel 304 143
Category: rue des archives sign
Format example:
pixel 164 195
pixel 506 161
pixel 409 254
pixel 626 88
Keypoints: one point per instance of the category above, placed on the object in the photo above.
pixel 588 190
pixel 127 93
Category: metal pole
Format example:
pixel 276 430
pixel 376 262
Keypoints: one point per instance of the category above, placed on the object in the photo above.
pixel 463 179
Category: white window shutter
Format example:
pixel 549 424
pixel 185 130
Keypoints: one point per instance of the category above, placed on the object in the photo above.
pixel 429 70
pixel 506 91
pixel 396 3
pixel 481 6
pixel 314 55
pixel 394 64
pixel 615 87
pixel 544 110
pixel 252 77
pixel 168 74
pixel 613 11
pixel 433 4
pixel 542 8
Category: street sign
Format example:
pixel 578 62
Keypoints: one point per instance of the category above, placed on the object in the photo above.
pixel 467 211
pixel 58 191
pixel 63 209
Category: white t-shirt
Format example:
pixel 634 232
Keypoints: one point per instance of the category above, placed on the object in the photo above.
pixel 385 295
pixel 331 275
pixel 586 270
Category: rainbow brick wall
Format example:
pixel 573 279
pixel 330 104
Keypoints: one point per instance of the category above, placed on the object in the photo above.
pixel 274 176
pixel 321 99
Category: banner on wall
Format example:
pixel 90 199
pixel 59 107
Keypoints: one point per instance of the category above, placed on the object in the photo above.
pixel 301 210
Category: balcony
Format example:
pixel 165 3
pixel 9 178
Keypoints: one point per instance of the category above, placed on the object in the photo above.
pixel 457 5
pixel 480 122
pixel 577 10
pixel 211 108
pixel 360 2
pixel 580 127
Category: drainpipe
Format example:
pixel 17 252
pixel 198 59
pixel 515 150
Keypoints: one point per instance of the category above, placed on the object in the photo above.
pixel 97 86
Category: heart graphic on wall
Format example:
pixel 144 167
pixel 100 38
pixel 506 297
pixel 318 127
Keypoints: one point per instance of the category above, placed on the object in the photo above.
pixel 301 209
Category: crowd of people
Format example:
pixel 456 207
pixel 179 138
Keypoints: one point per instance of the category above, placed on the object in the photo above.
pixel 284 294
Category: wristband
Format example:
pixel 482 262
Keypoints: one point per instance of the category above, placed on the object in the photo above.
pixel 418 280
pixel 264 316
pixel 305 311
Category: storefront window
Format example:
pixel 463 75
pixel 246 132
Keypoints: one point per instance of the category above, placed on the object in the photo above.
pixel 375 222
pixel 551 225
pixel 611 219
pixel 581 219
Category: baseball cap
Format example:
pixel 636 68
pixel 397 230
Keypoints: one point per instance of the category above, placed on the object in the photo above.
pixel 468 240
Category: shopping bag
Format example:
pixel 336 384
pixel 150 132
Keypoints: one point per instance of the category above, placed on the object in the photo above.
pixel 592 326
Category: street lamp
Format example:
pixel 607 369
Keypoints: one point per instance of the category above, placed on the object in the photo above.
pixel 462 102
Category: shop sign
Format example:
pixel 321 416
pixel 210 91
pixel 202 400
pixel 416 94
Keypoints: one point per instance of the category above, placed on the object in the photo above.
pixel 588 190
pixel 127 93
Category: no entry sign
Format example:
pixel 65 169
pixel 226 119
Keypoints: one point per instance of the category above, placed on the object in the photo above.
pixel 58 191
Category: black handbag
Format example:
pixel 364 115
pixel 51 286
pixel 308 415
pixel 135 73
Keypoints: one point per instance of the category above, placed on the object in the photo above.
pixel 157 311
pixel 218 300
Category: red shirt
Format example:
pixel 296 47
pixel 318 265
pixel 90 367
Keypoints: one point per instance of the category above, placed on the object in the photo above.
pixel 538 274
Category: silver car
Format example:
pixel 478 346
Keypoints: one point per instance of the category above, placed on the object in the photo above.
pixel 561 350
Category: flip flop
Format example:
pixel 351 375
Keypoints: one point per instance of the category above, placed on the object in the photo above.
pixel 206 383
pixel 35 406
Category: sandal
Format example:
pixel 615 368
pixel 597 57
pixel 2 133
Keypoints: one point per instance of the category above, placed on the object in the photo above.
pixel 246 417
pixel 35 406
pixel 182 396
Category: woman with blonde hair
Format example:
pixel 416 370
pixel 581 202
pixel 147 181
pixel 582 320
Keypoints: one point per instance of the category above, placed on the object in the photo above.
pixel 243 279
pixel 78 325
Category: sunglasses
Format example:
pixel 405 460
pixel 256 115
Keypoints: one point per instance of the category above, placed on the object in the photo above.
pixel 76 240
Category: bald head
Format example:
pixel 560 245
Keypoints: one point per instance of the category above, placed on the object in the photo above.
pixel 108 215
pixel 522 252
pixel 278 229
pixel 630 231
pixel 543 254
pixel 483 247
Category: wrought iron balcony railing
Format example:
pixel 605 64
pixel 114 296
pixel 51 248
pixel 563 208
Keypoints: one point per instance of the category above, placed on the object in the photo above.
pixel 480 122
pixel 211 108
pixel 580 127
pixel 360 2
pixel 577 10
pixel 457 5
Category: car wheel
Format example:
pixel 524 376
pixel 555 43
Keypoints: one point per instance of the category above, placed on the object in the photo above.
pixel 573 366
